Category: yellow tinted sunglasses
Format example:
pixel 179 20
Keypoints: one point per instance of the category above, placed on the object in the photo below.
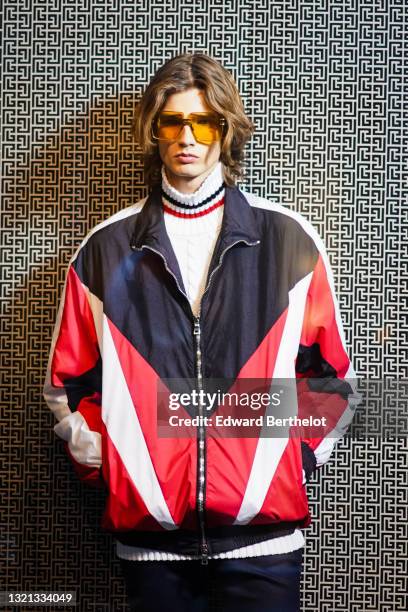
pixel 206 127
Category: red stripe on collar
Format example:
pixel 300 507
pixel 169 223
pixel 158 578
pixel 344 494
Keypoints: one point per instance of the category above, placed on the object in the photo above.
pixel 201 213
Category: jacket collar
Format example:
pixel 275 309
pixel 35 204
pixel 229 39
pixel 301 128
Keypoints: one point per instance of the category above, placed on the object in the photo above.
pixel 238 224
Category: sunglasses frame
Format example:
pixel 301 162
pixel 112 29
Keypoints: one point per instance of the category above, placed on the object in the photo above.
pixel 188 121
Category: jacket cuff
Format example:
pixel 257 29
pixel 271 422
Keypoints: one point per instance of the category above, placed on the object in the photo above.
pixel 308 460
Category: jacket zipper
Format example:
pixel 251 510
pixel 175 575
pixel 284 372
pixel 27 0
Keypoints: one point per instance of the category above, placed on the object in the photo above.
pixel 201 439
pixel 201 454
pixel 202 447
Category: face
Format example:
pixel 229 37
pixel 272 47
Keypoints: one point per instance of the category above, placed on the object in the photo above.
pixel 188 174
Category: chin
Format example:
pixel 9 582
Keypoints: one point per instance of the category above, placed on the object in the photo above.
pixel 188 170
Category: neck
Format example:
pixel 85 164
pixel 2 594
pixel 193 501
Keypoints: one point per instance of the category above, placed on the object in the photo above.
pixel 187 184
pixel 205 199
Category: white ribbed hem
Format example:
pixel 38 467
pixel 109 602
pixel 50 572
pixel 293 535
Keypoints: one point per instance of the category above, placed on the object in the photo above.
pixel 274 546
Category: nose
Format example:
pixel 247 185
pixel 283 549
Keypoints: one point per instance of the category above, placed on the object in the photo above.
pixel 186 135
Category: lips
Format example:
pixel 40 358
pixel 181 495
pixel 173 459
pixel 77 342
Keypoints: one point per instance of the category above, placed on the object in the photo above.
pixel 183 157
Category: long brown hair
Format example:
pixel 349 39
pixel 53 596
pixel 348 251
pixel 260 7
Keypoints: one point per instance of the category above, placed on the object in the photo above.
pixel 185 71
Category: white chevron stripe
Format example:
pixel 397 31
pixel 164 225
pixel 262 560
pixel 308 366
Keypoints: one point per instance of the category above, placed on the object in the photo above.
pixel 270 450
pixel 125 432
pixel 289 346
pixel 267 456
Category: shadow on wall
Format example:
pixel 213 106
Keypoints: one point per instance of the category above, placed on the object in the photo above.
pixel 53 195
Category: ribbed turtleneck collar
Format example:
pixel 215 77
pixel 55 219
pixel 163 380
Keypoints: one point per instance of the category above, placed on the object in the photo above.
pixel 208 197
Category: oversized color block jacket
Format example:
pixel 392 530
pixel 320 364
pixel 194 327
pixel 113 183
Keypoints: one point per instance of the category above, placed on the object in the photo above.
pixel 268 311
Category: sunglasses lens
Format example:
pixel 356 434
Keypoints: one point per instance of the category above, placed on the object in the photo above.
pixel 169 126
pixel 206 127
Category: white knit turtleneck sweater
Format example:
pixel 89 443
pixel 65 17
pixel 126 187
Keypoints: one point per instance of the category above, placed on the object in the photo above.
pixel 193 222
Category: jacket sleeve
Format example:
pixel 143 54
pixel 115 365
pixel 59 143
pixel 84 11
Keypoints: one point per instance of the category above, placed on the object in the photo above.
pixel 326 385
pixel 72 387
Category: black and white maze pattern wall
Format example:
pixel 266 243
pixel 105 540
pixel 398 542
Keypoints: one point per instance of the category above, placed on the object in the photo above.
pixel 326 84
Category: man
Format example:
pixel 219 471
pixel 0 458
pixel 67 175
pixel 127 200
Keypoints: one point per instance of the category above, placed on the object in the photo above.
pixel 200 280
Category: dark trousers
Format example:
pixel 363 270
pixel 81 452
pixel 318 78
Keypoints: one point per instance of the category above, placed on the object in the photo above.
pixel 270 583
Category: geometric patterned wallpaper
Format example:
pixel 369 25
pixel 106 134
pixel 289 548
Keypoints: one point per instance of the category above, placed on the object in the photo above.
pixel 325 82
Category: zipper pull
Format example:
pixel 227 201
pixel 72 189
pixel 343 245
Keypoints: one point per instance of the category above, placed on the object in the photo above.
pixel 204 554
pixel 196 326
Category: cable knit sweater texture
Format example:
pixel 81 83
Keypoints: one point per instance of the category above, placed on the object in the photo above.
pixel 193 222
